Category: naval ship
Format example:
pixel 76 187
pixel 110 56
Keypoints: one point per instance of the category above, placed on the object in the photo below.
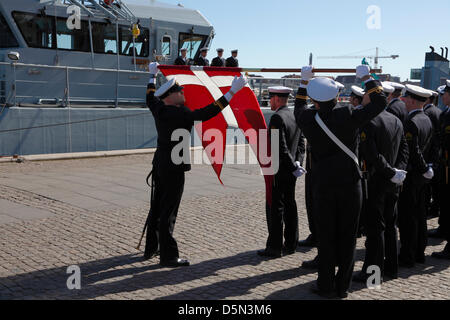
pixel 73 72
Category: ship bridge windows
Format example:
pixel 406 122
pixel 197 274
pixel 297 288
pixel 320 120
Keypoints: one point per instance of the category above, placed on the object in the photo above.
pixel 36 30
pixel 140 44
pixel 76 39
pixel 7 39
pixel 52 33
pixel 165 46
pixel 193 43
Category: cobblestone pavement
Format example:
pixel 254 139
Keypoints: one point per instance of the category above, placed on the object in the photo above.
pixel 91 212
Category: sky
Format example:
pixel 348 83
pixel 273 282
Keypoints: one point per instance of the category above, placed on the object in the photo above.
pixel 273 34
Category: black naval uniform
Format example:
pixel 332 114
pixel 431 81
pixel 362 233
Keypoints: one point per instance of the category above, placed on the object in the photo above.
pixel 444 187
pixel 309 187
pixel 432 200
pixel 218 62
pixel 412 220
pixel 284 206
pixel 200 61
pixel 180 61
pixel 383 147
pixel 232 62
pixel 337 183
pixel 168 178
pixel 398 108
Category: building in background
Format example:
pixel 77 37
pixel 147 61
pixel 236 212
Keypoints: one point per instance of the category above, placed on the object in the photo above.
pixel 436 70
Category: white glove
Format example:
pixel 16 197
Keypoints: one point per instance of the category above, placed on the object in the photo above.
pixel 399 177
pixel 429 174
pixel 153 68
pixel 236 86
pixel 362 71
pixel 299 171
pixel 307 73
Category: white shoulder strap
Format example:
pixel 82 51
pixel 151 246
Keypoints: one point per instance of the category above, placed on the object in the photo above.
pixel 336 140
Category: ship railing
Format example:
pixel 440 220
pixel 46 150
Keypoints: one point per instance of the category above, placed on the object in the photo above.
pixel 60 82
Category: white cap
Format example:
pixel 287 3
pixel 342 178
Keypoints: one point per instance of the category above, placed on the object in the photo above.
pixel 357 91
pixel 166 87
pixel 441 89
pixel 387 87
pixel 322 89
pixel 434 93
pixel 340 85
pixel 280 90
pixel 204 49
pixel 219 50
pixel 397 86
pixel 417 92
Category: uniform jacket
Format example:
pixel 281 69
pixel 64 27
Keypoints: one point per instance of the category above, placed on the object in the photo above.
pixel 418 133
pixel 200 61
pixel 398 108
pixel 232 62
pixel 384 147
pixel 331 165
pixel 218 62
pixel 434 113
pixel 170 118
pixel 180 62
pixel 291 142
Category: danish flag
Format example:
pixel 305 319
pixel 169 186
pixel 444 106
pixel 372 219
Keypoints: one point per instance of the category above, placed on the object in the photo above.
pixel 204 85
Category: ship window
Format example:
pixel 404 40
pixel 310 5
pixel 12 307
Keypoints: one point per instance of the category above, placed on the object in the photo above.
pixel 165 46
pixel 193 43
pixel 36 30
pixel 104 38
pixel 140 43
pixel 77 40
pixel 7 39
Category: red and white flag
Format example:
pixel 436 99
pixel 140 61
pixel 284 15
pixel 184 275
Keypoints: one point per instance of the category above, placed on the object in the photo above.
pixel 203 86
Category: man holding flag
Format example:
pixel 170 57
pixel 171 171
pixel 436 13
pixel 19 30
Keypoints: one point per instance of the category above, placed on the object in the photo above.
pixel 167 105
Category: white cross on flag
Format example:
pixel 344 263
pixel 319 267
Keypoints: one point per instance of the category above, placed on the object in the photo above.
pixel 204 85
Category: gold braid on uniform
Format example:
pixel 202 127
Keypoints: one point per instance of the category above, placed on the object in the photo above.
pixel 301 97
pixel 222 103
pixel 378 89
pixel 150 90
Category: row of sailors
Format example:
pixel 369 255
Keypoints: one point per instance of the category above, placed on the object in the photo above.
pixel 402 141
pixel 218 61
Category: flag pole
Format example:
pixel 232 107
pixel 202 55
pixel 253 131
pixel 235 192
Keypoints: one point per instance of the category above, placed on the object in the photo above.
pixel 268 70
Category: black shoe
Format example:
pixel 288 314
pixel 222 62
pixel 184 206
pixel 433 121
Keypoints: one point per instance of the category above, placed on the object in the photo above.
pixel 175 263
pixel 389 276
pixel 288 252
pixel 309 242
pixel 150 255
pixel 420 259
pixel 312 264
pixel 436 234
pixel 405 264
pixel 342 295
pixel 327 295
pixel 443 255
pixel 361 277
pixel 269 253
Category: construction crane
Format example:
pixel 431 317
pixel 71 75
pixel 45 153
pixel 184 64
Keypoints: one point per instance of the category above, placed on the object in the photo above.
pixel 376 57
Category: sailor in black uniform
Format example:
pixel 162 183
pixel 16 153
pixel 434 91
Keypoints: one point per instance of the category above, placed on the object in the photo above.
pixel 201 60
pixel 412 219
pixel 384 151
pixel 395 105
pixel 432 194
pixel 337 186
pixel 291 152
pixel 232 61
pixel 444 187
pixel 182 59
pixel 218 61
pixel 170 114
